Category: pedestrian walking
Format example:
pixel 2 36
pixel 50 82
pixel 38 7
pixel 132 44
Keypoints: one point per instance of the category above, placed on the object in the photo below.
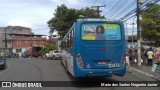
pixel 150 57
pixel 130 57
pixel 135 57
pixel 128 63
pixel 146 56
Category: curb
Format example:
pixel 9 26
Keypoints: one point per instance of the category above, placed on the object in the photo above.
pixel 147 74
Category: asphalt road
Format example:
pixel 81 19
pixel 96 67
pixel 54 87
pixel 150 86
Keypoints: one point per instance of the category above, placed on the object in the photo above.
pixel 52 70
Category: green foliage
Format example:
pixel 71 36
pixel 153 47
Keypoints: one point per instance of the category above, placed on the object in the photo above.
pixel 64 18
pixel 150 22
pixel 48 48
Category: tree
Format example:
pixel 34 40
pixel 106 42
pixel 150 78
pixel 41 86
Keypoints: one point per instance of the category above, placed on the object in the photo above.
pixel 150 22
pixel 48 48
pixel 64 18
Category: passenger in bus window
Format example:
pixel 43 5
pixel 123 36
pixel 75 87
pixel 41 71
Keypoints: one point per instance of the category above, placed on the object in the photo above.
pixel 100 33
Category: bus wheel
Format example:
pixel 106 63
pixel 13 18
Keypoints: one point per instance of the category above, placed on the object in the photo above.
pixel 66 68
pixel 61 61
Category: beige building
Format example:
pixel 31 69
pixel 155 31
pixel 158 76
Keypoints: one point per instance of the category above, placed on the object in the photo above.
pixel 10 30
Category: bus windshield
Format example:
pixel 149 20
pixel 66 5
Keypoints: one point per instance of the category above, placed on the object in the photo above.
pixel 100 31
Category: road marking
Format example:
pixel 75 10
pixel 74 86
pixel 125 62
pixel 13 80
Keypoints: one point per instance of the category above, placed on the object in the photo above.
pixel 145 73
pixel 3 71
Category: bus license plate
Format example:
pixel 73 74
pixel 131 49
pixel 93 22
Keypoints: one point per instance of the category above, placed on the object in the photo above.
pixel 102 62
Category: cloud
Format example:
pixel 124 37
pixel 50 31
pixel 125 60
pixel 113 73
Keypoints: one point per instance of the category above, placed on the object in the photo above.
pixel 19 23
pixel 36 13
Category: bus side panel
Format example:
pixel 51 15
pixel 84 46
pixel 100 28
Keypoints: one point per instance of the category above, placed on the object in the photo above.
pixel 69 60
pixel 76 47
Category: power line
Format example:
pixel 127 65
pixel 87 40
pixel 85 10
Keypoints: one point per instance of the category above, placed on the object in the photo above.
pixel 107 4
pixel 131 5
pixel 112 8
pixel 118 8
pixel 131 17
pixel 126 17
pixel 134 10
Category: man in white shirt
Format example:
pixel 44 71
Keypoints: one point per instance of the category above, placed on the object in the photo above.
pixel 127 62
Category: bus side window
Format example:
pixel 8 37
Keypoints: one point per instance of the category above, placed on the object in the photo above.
pixel 67 43
pixel 63 45
pixel 71 38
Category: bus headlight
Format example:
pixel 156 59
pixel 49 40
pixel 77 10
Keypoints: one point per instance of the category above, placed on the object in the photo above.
pixel 79 61
pixel 123 60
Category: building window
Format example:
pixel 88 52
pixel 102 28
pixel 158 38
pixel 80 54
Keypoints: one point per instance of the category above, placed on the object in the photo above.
pixel 18 42
pixel 26 41
pixel 18 50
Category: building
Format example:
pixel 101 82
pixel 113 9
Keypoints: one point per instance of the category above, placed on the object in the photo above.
pixel 23 42
pixel 19 39
pixel 55 39
pixel 132 42
pixel 5 39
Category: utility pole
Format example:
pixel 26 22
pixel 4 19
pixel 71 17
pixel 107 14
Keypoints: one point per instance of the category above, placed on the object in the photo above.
pixel 31 46
pixel 126 31
pixel 97 8
pixel 138 32
pixel 132 34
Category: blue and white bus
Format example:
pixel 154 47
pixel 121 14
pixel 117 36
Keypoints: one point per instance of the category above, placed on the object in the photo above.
pixel 94 47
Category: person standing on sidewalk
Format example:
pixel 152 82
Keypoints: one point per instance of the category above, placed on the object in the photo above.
pixel 146 56
pixel 128 62
pixel 131 57
pixel 135 57
pixel 150 57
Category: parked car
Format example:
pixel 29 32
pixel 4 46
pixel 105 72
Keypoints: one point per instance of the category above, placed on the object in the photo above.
pixel 7 55
pixel 2 62
pixel 53 55
pixel 24 55
pixel 46 56
pixel 56 55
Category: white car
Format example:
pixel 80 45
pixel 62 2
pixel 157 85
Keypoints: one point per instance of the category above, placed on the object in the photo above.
pixel 53 55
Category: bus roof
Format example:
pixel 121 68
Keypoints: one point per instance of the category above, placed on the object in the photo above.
pixel 98 19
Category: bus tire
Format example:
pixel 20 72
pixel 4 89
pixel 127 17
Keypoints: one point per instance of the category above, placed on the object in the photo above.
pixel 66 68
pixel 61 62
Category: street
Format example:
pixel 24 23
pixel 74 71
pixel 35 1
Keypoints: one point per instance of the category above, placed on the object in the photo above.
pixel 25 69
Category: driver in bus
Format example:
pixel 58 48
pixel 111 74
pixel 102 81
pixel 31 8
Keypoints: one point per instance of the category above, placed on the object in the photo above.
pixel 100 33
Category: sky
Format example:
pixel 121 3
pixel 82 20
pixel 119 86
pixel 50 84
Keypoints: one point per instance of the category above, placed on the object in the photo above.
pixel 36 13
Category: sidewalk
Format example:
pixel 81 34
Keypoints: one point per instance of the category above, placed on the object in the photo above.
pixel 144 69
